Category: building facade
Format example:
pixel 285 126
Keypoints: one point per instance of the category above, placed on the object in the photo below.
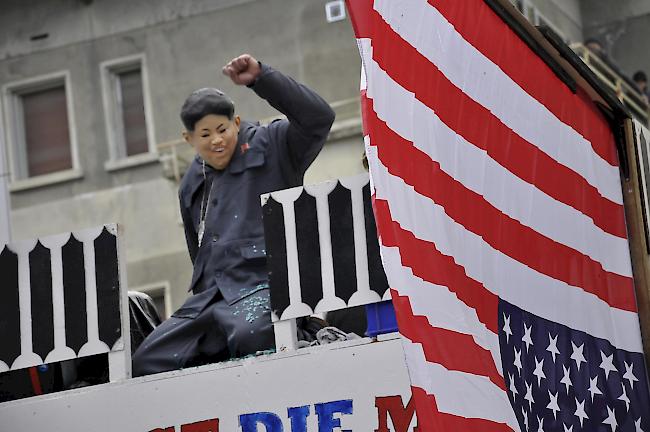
pixel 91 91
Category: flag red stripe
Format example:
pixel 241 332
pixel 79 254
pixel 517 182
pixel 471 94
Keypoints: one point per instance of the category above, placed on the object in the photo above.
pixel 502 232
pixel 453 350
pixel 364 115
pixel 484 30
pixel 460 113
pixel 431 419
pixel 428 263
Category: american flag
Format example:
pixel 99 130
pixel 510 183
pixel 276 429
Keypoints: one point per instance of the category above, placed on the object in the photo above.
pixel 500 215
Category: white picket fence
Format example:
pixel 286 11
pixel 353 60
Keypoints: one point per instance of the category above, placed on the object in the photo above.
pixel 307 279
pixel 64 297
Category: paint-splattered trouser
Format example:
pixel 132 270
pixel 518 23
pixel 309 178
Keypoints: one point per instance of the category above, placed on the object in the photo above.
pixel 219 332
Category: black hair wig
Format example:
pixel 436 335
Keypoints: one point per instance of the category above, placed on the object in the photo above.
pixel 203 102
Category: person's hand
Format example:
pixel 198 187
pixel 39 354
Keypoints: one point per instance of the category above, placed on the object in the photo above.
pixel 242 70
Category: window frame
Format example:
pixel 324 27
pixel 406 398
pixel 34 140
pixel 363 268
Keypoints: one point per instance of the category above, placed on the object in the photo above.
pixel 12 94
pixel 534 16
pixel 541 17
pixel 329 6
pixel 154 288
pixel 109 72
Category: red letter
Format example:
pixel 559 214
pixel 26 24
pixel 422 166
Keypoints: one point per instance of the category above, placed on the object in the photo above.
pixel 211 425
pixel 167 429
pixel 400 415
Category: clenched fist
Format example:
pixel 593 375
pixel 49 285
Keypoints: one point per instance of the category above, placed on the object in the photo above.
pixel 242 70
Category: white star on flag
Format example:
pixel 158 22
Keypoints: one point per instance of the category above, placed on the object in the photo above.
pixel 552 405
pixel 629 375
pixel 577 355
pixel 580 411
pixel 607 364
pixel 593 387
pixel 567 429
pixel 525 414
pixel 513 388
pixel 517 361
pixel 539 371
pixel 566 379
pixel 506 327
pixel 527 337
pixel 552 346
pixel 529 395
pixel 623 397
pixel 637 425
pixel 611 419
pixel 540 422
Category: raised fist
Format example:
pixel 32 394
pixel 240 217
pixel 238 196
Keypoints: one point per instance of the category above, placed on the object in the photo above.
pixel 242 70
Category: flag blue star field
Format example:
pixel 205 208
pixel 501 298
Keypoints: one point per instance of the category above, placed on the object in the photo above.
pixel 560 379
pixel 499 208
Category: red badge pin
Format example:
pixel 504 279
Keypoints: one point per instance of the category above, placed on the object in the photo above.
pixel 244 148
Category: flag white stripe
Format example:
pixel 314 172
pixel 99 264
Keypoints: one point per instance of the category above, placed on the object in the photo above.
pixel 509 279
pixel 438 304
pixel 473 396
pixel 483 81
pixel 471 166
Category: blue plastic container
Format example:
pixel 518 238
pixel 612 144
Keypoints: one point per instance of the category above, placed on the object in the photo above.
pixel 381 318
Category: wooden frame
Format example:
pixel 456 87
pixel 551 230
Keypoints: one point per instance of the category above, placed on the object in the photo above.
pixel 633 197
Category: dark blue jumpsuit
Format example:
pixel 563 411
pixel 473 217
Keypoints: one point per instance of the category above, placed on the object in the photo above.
pixel 228 314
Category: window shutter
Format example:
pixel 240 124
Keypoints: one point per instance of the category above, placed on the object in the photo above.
pixel 47 138
pixel 135 131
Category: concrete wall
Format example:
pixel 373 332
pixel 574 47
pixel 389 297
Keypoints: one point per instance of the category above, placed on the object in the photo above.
pixel 624 27
pixel 185 44
pixel 71 21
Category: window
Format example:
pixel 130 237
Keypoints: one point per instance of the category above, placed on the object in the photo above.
pixel 47 138
pixel 160 294
pixel 540 20
pixel 159 301
pixel 127 112
pixel 534 16
pixel 40 131
pixel 335 11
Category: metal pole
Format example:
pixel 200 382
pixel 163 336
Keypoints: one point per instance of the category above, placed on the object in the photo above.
pixel 5 207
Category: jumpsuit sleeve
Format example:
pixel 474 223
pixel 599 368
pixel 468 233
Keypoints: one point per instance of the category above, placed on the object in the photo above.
pixel 309 117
